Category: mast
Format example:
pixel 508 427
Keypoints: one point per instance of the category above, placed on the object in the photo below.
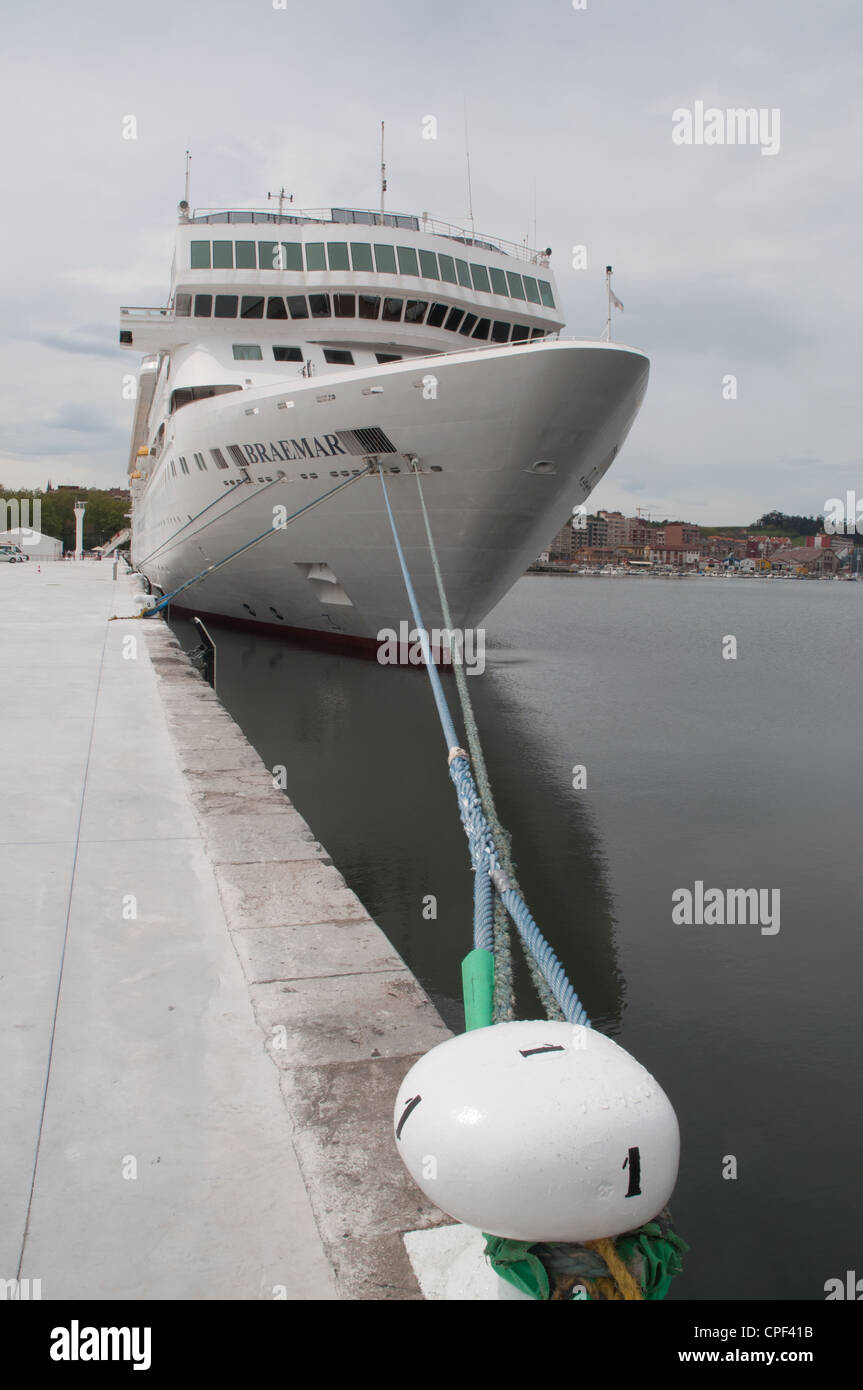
pixel 383 174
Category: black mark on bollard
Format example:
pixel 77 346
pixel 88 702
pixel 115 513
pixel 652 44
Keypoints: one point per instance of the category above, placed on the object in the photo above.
pixel 548 1047
pixel 409 1107
pixel 633 1162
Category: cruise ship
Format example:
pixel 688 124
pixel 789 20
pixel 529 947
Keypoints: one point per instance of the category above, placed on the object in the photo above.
pixel 300 355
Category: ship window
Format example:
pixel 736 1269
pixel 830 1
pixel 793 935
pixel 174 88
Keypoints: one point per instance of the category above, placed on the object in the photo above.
pixel 276 307
pixel 218 458
pixel 428 265
pixel 338 357
pixel 315 258
pixel 531 289
pixel 246 255
pixel 125 335
pixel 516 288
pixel 184 395
pixel 183 306
pixel 287 354
pixel 447 270
pixel 361 256
pixel 297 306
pixel 392 310
pixel 344 305
pixel 454 319
pixel 319 305
pixel 520 334
pixel 415 310
pixel 203 306
pixel 247 352
pixel 498 279
pixel 500 332
pixel 226 306
pixel 480 278
pixel 183 464
pixel 171 469
pixel 407 260
pixel 199 460
pixel 369 305
pixel 385 258
pixel 252 307
pixel 200 255
pixel 436 316
pixel 463 274
pixel 383 357
pixel 223 255
pixel 272 256
pixel 545 294
pixel 482 329
pixel 337 255
pixel 290 255
pixel 467 326
pixel 537 333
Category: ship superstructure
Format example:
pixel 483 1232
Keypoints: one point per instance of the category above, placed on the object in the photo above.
pixel 298 348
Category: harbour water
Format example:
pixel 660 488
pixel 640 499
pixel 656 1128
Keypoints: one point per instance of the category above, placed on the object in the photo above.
pixel 735 773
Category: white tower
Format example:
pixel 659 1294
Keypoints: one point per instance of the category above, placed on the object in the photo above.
pixel 80 508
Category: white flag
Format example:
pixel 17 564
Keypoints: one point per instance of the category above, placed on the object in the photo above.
pixel 614 299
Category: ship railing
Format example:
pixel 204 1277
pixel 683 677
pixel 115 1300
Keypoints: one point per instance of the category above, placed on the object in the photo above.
pixel 368 217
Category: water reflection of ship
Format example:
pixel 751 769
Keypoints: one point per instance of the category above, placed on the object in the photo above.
pixel 365 767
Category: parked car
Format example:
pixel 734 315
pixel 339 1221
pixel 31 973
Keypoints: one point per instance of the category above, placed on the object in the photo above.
pixel 12 554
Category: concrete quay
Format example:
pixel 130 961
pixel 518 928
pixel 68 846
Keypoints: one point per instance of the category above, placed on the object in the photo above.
pixel 202 1031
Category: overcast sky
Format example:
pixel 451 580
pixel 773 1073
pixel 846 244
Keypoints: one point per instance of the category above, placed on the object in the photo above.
pixel 728 261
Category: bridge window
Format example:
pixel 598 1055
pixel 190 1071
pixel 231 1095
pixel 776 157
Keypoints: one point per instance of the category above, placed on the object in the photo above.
pixel 247 352
pixel 252 307
pixel 520 334
pixel 385 258
pixel 415 310
pixel 531 289
pixel 200 255
pixel 297 307
pixel 361 255
pixel 447 270
pixel 383 357
pixel 516 288
pixel 468 325
pixel 392 310
pixel 344 305
pixel 338 357
pixel 320 306
pixel 545 294
pixel 407 260
pixel 315 258
pixel 454 319
pixel 246 255
pixel 463 274
pixel 428 265
pixel 183 306
pixel 498 280
pixel 287 354
pixel 337 255
pixel 223 255
pixel 500 332
pixel 480 278
pixel 203 306
pixel 369 305
pixel 226 306
pixel 276 307
pixel 436 316
pixel 482 328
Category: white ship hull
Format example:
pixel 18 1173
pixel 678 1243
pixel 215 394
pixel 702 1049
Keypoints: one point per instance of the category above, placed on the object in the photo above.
pixel 478 432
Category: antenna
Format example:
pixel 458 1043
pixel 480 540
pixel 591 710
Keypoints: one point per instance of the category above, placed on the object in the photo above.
pixel 383 174
pixel 467 158
pixel 281 195
pixel 188 175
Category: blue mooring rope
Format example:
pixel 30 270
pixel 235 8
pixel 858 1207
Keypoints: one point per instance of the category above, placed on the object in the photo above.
pixel 489 876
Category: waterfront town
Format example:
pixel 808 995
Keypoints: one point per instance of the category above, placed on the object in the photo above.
pixel 611 543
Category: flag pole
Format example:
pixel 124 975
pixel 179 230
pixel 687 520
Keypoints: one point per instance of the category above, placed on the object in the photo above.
pixel 608 288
